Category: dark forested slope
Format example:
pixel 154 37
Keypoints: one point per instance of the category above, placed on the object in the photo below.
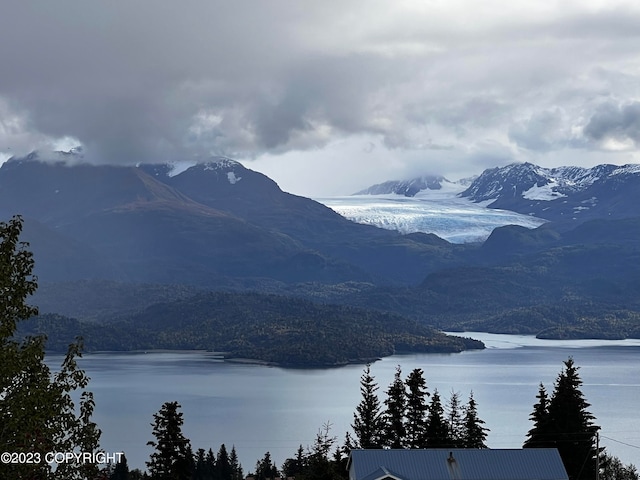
pixel 269 328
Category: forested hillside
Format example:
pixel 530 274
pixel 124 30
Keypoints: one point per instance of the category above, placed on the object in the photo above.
pixel 267 328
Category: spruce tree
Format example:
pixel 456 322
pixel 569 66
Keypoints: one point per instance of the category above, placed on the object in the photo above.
pixel 567 425
pixel 265 469
pixel 223 465
pixel 121 470
pixel 293 467
pixel 540 435
pixel 437 431
pixel 394 432
pixel 319 466
pixel 475 434
pixel 210 465
pixel 367 421
pixel 201 471
pixel 172 459
pixel 455 421
pixel 415 422
pixel 236 468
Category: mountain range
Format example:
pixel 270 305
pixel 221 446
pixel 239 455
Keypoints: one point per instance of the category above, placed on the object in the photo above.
pixel 562 194
pixel 133 236
pixel 211 222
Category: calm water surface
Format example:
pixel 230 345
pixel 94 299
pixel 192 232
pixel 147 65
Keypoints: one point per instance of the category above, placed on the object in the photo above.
pixel 259 409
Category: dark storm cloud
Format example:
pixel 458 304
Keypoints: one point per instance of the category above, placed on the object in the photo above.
pixel 617 122
pixel 441 83
pixel 117 76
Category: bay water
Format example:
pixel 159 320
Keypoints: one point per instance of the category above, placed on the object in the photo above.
pixel 258 408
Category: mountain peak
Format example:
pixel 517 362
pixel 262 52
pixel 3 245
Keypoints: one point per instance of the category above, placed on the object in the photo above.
pixel 408 188
pixel 220 163
pixel 232 170
pixel 560 193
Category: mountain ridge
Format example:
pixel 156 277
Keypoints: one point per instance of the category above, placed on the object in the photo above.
pixel 560 194
pixel 212 220
pixel 219 225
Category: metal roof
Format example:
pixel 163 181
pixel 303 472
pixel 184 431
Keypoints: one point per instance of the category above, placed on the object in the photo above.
pixel 458 464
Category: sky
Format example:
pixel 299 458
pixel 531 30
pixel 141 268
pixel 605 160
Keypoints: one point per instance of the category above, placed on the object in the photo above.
pixel 326 98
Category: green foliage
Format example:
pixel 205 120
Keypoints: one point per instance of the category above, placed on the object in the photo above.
pixel 37 411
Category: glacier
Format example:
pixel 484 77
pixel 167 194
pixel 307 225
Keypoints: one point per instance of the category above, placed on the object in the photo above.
pixel 441 212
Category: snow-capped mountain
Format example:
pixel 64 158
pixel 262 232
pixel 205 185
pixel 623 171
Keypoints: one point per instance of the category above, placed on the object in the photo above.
pixel 562 193
pixel 408 188
pixel 414 186
pixel 518 194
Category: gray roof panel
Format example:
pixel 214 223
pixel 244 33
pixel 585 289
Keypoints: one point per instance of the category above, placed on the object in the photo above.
pixel 466 464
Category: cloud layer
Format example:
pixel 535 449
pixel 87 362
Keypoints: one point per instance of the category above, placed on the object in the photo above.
pixel 405 86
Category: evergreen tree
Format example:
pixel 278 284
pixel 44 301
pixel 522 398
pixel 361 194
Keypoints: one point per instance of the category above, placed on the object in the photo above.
pixel 265 469
pixel 437 431
pixel 209 469
pixel 475 434
pixel 318 464
pixel 614 469
pixel 37 410
pixel 455 421
pixel 567 425
pixel 236 468
pixel 367 421
pixel 415 422
pixel 394 431
pixel 293 467
pixel 121 470
pixel 540 435
pixel 172 459
pixel 223 469
pixel 138 474
pixel 202 471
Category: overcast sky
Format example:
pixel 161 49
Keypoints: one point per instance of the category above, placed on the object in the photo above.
pixel 324 97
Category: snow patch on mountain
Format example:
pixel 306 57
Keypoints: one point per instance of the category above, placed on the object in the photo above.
pixel 532 182
pixel 632 169
pixel 221 163
pixel 231 176
pixel 543 192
